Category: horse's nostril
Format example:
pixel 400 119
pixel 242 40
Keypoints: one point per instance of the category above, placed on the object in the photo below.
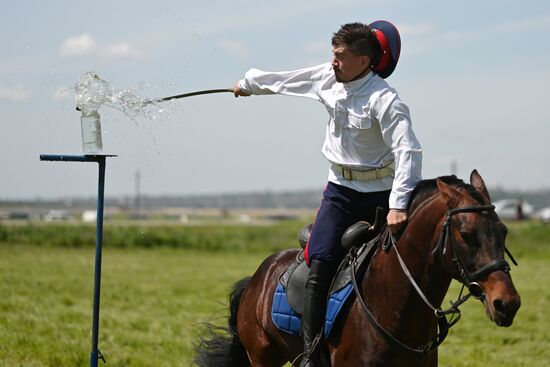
pixel 499 305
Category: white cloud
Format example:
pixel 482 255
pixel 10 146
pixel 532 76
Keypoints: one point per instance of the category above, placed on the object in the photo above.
pixel 86 45
pixel 15 94
pixel 233 47
pixel 82 45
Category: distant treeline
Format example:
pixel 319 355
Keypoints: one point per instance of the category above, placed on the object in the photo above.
pixel 307 199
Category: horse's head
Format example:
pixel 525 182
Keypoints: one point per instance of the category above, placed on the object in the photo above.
pixel 472 248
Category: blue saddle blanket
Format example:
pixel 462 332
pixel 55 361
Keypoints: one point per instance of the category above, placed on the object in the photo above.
pixel 287 320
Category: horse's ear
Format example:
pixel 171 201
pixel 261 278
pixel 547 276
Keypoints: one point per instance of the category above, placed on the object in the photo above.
pixel 449 193
pixel 477 182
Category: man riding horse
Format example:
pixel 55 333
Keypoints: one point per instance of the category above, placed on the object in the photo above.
pixel 375 158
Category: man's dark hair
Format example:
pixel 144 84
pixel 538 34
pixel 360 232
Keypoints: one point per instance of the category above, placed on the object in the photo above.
pixel 359 39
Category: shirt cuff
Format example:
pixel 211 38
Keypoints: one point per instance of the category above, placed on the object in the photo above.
pixel 243 85
pixel 399 202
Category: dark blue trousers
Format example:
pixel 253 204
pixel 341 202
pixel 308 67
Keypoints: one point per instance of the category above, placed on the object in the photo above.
pixel 340 208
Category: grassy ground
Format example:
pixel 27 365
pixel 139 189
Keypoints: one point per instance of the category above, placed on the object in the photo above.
pixel 154 300
pixel 152 303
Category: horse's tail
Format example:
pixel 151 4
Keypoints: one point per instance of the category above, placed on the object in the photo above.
pixel 217 349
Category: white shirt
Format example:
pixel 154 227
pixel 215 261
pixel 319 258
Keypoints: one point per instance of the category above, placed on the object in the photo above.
pixel 369 126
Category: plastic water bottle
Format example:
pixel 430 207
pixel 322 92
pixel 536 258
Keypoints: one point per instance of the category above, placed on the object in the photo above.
pixel 91 132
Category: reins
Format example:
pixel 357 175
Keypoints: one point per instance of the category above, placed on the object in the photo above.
pixel 468 280
pixel 442 321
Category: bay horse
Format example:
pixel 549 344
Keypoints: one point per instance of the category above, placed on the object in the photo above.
pixel 453 232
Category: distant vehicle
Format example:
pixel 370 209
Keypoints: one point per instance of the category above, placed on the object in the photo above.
pixel 544 215
pixel 508 209
pixel 57 215
pixel 18 215
pixel 89 216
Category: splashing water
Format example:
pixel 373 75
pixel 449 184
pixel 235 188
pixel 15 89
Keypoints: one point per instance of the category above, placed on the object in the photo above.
pixel 92 92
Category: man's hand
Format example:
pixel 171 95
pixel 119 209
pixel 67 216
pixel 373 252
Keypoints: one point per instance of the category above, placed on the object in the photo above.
pixel 238 92
pixel 397 219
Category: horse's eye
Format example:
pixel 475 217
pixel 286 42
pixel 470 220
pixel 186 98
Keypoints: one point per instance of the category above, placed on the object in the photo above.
pixel 467 237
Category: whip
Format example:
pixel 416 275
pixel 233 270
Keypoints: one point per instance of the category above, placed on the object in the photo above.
pixel 184 95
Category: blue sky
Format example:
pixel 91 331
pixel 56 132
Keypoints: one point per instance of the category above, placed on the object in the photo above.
pixel 474 74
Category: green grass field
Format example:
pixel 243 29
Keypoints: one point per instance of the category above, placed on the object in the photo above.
pixel 155 299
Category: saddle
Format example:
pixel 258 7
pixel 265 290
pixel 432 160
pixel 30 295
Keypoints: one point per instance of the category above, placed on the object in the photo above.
pixel 361 239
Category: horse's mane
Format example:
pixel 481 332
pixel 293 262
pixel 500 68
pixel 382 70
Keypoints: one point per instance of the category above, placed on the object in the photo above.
pixel 428 187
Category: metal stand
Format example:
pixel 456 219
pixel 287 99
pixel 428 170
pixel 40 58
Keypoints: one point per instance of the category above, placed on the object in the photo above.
pixel 95 354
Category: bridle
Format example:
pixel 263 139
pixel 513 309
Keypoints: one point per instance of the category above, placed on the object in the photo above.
pixel 446 239
pixel 469 280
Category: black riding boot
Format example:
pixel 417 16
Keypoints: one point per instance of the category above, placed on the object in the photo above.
pixel 320 277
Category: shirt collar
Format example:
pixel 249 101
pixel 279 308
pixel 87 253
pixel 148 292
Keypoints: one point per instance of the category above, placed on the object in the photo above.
pixel 357 84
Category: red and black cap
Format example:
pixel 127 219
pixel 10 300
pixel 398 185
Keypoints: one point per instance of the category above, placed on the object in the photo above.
pixel 390 43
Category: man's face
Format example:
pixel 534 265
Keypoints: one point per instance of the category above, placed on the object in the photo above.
pixel 348 66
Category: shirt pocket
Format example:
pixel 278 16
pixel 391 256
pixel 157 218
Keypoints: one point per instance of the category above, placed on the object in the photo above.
pixel 359 121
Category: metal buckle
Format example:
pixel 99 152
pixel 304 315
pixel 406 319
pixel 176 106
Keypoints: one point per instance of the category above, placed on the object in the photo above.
pixel 476 290
pixel 346 173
